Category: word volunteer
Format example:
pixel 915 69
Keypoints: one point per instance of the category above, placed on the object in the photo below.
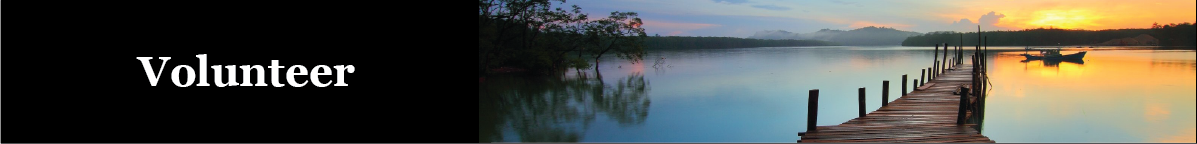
pixel 274 80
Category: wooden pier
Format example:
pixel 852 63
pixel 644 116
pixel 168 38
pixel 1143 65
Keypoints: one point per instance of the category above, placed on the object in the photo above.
pixel 945 109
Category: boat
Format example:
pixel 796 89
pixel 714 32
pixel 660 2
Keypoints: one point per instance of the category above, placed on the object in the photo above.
pixel 1055 62
pixel 1054 54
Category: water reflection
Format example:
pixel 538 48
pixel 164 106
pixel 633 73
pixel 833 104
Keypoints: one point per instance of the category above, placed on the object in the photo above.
pixel 1116 94
pixel 1131 95
pixel 1054 62
pixel 557 109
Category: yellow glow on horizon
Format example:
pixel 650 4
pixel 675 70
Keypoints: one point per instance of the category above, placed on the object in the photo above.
pixel 1080 14
pixel 1071 19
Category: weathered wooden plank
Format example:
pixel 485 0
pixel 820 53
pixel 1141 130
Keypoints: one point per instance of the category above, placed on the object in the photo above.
pixel 926 115
pixel 886 133
pixel 906 137
pixel 925 87
pixel 910 130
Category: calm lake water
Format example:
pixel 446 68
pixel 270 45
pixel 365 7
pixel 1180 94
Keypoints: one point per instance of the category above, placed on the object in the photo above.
pixel 1116 94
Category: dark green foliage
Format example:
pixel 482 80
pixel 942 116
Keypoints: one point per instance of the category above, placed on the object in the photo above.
pixel 1183 34
pixel 620 33
pixel 678 42
pixel 1168 35
pixel 529 34
pixel 1029 37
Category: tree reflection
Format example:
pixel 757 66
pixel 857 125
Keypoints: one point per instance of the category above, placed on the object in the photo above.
pixel 557 109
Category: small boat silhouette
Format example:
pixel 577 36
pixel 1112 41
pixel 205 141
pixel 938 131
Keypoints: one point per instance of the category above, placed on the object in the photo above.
pixel 1054 54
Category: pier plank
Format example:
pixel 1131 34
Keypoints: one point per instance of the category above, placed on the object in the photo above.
pixel 925 115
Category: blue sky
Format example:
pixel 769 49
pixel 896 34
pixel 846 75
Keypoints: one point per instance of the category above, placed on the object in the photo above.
pixel 742 18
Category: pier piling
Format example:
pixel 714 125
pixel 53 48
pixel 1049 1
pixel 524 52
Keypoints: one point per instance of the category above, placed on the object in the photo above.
pixel 903 85
pixel 884 93
pixel 812 110
pixel 861 101
pixel 923 75
pixel 960 115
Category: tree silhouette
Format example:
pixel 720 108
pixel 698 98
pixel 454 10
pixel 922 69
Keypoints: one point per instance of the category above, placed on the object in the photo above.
pixel 530 34
pixel 621 33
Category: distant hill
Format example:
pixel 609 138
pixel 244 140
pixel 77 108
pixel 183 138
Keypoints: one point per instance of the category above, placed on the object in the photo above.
pixel 1172 34
pixel 1040 37
pixel 1141 40
pixel 866 36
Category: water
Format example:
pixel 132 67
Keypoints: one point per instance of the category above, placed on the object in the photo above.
pixel 759 95
pixel 1112 96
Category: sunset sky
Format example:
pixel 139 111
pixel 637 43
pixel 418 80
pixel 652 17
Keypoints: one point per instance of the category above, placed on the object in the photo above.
pixel 742 18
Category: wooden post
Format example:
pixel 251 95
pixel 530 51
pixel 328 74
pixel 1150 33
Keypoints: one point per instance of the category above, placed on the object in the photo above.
pixel 979 87
pixel 983 75
pixel 935 55
pixel 963 104
pixel 935 71
pixel 930 74
pixel 975 80
pixel 903 85
pixel 884 93
pixel 915 85
pixel 945 58
pixel 812 110
pixel 980 111
pixel 861 101
pixel 981 100
pixel 923 75
pixel 980 75
pixel 949 63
